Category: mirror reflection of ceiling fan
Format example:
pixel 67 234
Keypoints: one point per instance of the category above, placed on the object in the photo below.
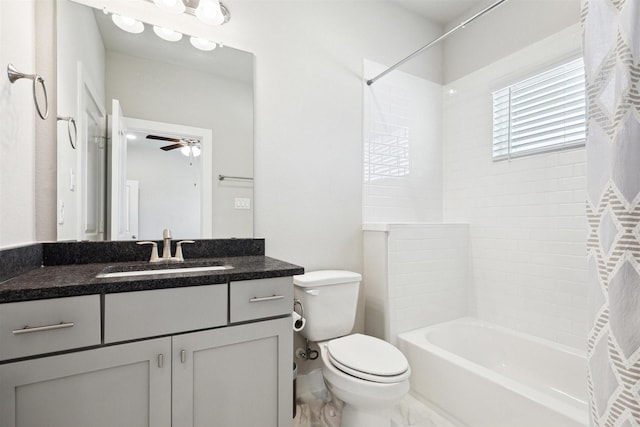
pixel 188 146
pixel 178 142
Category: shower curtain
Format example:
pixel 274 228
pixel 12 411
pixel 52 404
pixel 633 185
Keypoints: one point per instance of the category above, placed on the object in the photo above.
pixel 612 62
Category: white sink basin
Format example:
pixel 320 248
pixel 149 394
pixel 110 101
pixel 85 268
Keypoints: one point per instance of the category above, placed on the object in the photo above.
pixel 155 269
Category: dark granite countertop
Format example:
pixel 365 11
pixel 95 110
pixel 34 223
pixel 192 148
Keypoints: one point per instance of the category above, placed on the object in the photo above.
pixel 80 279
pixel 63 269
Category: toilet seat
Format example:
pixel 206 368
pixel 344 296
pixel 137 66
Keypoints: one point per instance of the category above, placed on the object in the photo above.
pixel 368 358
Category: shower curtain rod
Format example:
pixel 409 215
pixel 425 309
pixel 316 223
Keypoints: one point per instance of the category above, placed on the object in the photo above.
pixel 439 39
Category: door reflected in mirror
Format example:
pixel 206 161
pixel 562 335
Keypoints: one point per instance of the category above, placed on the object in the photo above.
pixel 168 180
pixel 156 82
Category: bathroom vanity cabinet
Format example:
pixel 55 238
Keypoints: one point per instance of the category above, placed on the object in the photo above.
pixel 218 354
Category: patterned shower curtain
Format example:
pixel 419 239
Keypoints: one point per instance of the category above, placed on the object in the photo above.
pixel 612 63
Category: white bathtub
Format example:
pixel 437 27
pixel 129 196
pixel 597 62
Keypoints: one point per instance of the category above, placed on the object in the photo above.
pixel 483 375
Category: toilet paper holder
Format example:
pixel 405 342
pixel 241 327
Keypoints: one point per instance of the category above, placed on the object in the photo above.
pixel 306 353
pixel 299 323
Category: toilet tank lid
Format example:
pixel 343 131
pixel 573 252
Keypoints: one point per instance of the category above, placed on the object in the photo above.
pixel 326 277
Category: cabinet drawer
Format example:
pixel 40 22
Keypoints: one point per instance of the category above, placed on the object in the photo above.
pixel 256 299
pixel 44 326
pixel 131 315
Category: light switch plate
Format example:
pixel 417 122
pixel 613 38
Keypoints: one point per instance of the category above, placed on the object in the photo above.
pixel 72 180
pixel 242 203
pixel 60 212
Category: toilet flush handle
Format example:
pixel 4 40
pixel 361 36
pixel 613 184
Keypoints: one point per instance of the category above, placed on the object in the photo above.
pixel 313 292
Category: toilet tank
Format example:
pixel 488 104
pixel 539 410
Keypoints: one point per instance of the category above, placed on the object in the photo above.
pixel 330 299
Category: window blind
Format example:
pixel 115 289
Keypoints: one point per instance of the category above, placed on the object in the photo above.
pixel 545 112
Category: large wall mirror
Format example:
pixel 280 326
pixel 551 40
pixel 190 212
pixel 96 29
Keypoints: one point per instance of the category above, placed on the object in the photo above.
pixel 163 133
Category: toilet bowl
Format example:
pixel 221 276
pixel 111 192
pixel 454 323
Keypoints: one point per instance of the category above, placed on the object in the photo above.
pixel 369 386
pixel 368 374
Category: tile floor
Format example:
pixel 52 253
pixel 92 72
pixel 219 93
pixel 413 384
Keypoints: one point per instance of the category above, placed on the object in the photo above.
pixel 316 408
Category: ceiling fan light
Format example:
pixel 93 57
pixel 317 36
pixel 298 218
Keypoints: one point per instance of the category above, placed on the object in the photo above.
pixel 172 6
pixel 167 34
pixel 190 150
pixel 209 12
pixel 202 44
pixel 127 24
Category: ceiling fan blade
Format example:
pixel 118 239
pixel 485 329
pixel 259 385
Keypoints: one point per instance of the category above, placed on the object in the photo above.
pixel 163 138
pixel 171 147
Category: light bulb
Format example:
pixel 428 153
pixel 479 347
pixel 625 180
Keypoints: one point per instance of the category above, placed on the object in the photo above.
pixel 167 34
pixel 172 6
pixel 202 44
pixel 209 12
pixel 190 150
pixel 127 24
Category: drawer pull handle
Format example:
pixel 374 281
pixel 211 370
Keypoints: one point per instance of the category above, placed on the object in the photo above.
pixel 28 329
pixel 262 299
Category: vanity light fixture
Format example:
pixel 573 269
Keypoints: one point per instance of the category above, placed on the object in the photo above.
pixel 202 44
pixel 127 24
pixel 167 34
pixel 210 12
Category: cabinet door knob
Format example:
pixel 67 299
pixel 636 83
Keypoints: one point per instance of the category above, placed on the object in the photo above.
pixel 160 360
pixel 183 356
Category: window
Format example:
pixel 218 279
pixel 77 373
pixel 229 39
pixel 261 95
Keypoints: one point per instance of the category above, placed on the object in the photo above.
pixel 543 113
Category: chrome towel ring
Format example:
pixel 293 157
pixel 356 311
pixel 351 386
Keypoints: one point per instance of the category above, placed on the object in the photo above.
pixel 37 78
pixel 70 121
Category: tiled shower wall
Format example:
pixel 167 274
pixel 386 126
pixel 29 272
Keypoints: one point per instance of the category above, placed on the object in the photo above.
pixel 402 148
pixel 415 276
pixel 526 217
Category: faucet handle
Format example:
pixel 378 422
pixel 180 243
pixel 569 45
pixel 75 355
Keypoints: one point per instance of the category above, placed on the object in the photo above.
pixel 166 233
pixel 179 257
pixel 154 250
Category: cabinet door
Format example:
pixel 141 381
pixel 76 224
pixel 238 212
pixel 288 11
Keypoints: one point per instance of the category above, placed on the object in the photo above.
pixel 238 376
pixel 123 385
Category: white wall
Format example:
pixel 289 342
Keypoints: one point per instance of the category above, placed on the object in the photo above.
pixel 17 125
pixel 402 148
pixel 309 58
pixel 527 216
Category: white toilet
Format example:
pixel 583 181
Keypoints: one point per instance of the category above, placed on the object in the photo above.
pixel 368 374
